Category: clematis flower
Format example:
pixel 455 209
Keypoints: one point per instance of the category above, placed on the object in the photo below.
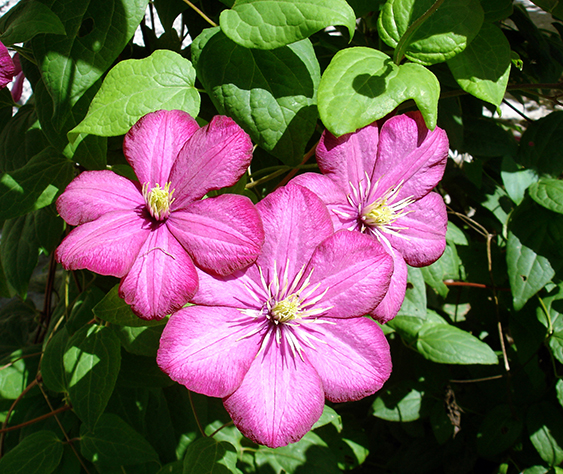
pixel 150 233
pixel 379 182
pixel 8 68
pixel 275 339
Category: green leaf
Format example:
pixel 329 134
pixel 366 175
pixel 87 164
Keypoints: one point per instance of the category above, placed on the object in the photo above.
pixel 400 403
pixel 81 312
pixel 309 455
pixel 329 416
pixel 207 455
pixel 20 250
pixel 362 85
pixel 455 235
pixel 539 146
pixel 91 360
pixel 441 424
pixel 548 193
pixel 133 88
pixel 483 67
pixel 142 341
pixel 115 310
pixel 38 453
pixel 516 179
pixel 18 370
pixel 52 367
pixel 17 321
pixel 113 442
pixel 440 37
pixel 277 109
pixel 35 185
pixel 545 427
pixel 414 303
pixel 270 24
pixel 533 252
pixel 27 19
pixel 559 391
pixel 496 10
pixel 447 267
pixel 552 6
pixel 498 432
pixel 97 32
pixel 446 344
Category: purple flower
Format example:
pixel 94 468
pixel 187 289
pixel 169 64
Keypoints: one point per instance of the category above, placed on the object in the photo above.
pixel 152 232
pixel 275 339
pixel 8 68
pixel 379 182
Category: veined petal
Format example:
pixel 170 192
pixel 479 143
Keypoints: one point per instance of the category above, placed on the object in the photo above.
pixel 423 239
pixel 391 303
pixel 208 349
pixel 108 245
pixel 94 193
pixel 279 400
pixel 354 270
pixel 355 360
pixel 162 279
pixel 216 156
pixel 348 158
pixel 153 143
pixel 295 222
pixel 411 154
pixel 7 67
pixel 333 196
pixel 222 234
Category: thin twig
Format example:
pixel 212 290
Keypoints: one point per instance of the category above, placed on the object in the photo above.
pixel 484 379
pixel 220 428
pixel 472 285
pixel 203 15
pixel 35 420
pixel 294 171
pixel 195 415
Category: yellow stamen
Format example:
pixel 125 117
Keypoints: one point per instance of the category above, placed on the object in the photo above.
pixel 287 309
pixel 158 200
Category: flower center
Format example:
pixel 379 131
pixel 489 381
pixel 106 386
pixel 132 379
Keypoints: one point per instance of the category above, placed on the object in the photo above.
pixel 158 200
pixel 384 211
pixel 286 309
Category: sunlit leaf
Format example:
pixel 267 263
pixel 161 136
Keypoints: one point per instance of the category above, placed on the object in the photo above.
pixel 38 453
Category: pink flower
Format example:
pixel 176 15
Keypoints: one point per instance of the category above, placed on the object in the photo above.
pixel 275 339
pixel 8 68
pixel 150 233
pixel 379 182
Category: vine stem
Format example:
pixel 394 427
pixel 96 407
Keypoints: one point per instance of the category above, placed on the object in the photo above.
pixel 200 13
pixel 405 40
pixel 195 415
pixel 35 420
pixel 293 172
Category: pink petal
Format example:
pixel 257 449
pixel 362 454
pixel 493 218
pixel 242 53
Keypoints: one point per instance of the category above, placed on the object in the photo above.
pixel 162 279
pixel 295 222
pixel 409 153
pixel 279 400
pixel 205 349
pixel 355 361
pixel 7 67
pixel 233 290
pixel 94 193
pixel 153 143
pixel 222 234
pixel 354 270
pixel 216 156
pixel 108 245
pixel 423 240
pixel 348 158
pixel 391 303
pixel 343 215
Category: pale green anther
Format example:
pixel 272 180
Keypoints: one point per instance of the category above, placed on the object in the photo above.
pixel 158 200
pixel 287 309
pixel 379 214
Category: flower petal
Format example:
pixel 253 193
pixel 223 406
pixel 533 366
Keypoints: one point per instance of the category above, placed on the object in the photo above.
pixel 205 349
pixel 423 240
pixel 216 156
pixel 108 245
pixel 279 400
pixel 411 154
pixel 355 361
pixel 353 271
pixel 94 193
pixel 348 158
pixel 222 234
pixel 153 143
pixel 343 215
pixel 162 279
pixel 391 303
pixel 295 222
pixel 7 67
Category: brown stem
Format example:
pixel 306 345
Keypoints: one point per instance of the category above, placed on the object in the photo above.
pixel 195 415
pixel 35 420
pixel 472 285
pixel 293 172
